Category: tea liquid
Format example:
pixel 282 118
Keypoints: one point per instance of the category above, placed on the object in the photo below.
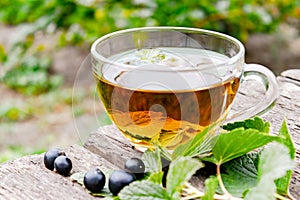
pixel 166 106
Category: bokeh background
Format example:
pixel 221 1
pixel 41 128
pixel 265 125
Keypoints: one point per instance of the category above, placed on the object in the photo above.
pixel 47 92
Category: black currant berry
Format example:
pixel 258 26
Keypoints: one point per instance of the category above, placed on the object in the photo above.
pixel 63 165
pixel 135 165
pixel 118 180
pixel 50 156
pixel 94 180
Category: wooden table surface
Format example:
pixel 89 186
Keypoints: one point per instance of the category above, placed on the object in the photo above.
pixel 27 178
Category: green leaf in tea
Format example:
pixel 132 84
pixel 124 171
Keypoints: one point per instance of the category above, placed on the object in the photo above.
pixel 181 170
pixel 274 162
pixel 237 143
pixel 138 137
pixel 282 184
pixel 253 123
pixel 211 185
pixel 143 190
pixel 240 174
pixel 170 138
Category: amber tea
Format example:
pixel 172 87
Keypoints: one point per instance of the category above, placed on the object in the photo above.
pixel 163 85
pixel 163 106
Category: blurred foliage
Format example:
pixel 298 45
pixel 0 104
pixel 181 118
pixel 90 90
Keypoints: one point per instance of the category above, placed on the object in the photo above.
pixel 15 151
pixel 9 112
pixel 82 21
pixel 31 77
pixel 54 101
pixel 25 67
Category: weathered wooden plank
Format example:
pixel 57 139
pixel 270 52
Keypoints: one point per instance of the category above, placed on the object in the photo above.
pixel 109 143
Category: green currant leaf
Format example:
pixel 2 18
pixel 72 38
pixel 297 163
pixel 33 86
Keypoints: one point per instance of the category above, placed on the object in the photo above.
pixel 240 174
pixel 201 144
pixel 165 153
pixel 265 190
pixel 237 143
pixel 274 162
pixel 156 177
pixel 282 184
pixel 152 160
pixel 211 185
pixel 286 139
pixel 253 123
pixel 181 170
pixel 144 190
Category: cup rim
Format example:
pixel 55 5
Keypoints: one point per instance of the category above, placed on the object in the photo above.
pixel 230 61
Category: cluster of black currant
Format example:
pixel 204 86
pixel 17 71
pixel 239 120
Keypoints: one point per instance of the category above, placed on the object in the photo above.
pixel 134 169
pixel 56 159
pixel 94 180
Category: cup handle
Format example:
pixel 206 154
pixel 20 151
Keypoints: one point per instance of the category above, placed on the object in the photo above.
pixel 267 78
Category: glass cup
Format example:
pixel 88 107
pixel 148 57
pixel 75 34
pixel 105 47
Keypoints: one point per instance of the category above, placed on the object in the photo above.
pixel 163 85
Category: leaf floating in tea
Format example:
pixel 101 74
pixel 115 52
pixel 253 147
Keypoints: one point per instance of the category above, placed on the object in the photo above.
pixel 170 138
pixel 148 56
pixel 138 137
pixel 146 124
pixel 153 128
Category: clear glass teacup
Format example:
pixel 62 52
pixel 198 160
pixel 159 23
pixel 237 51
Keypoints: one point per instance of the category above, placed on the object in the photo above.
pixel 163 85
